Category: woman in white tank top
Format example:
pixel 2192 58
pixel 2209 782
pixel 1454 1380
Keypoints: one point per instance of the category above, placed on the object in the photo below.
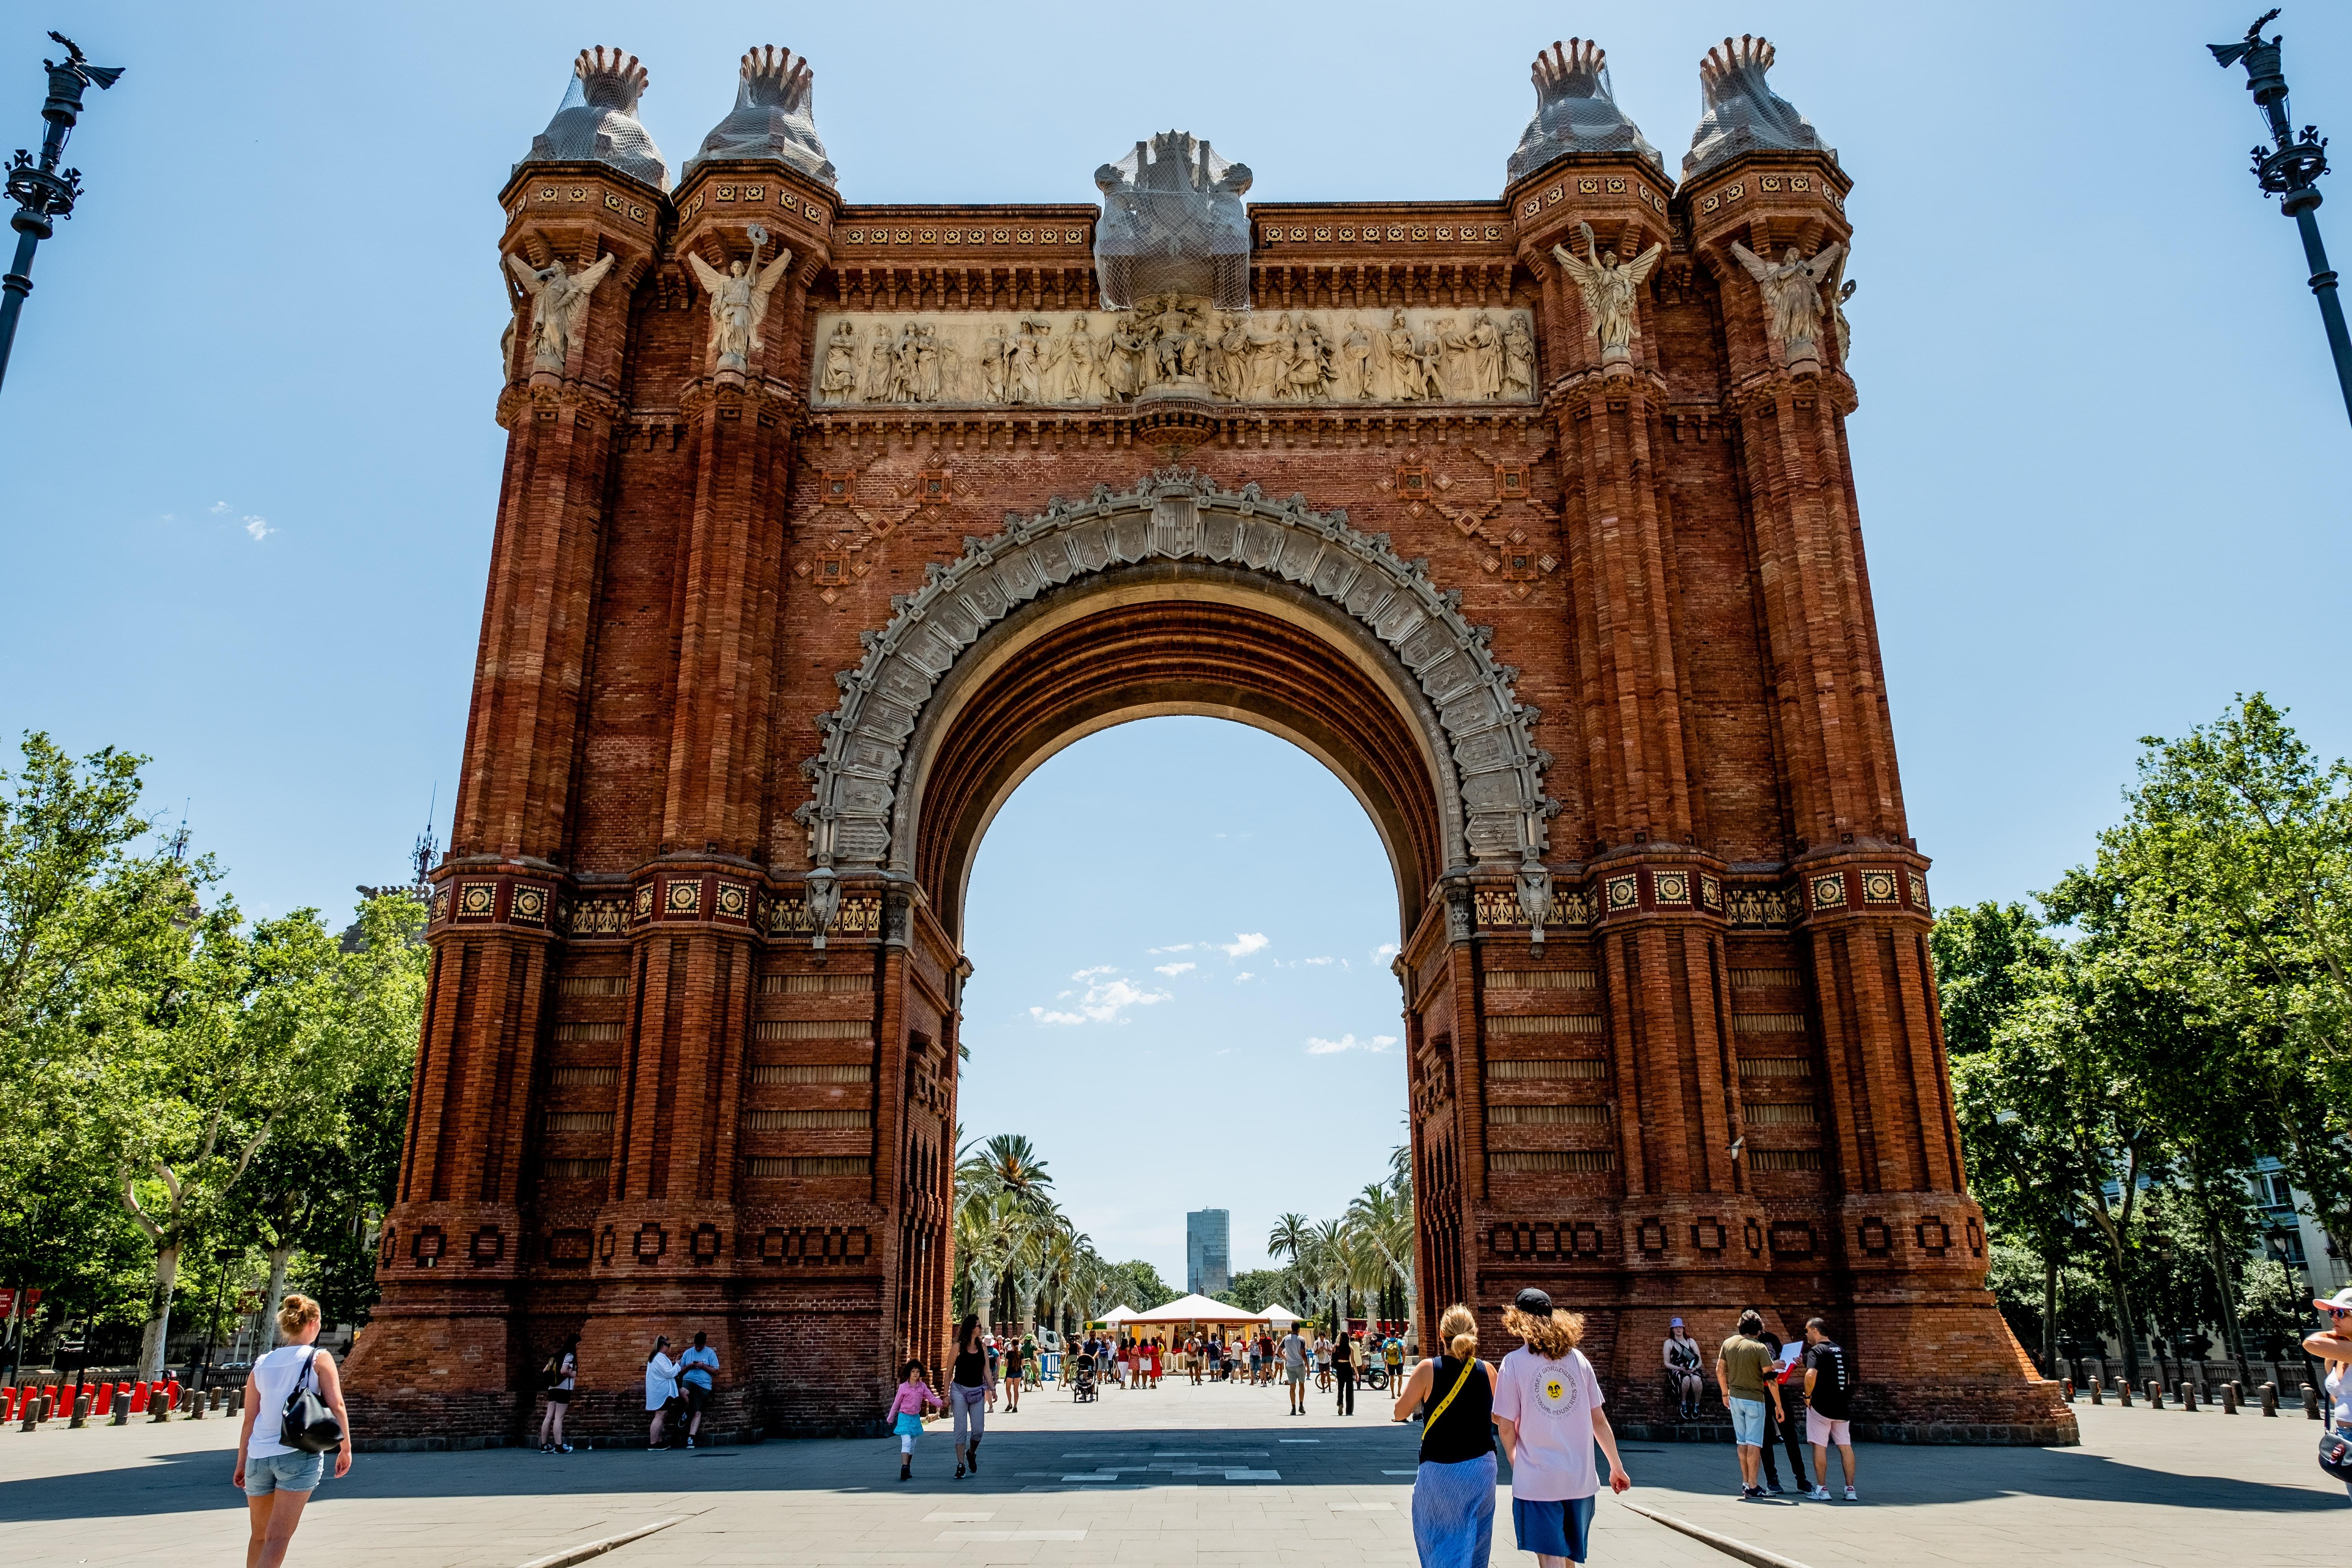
pixel 279 1480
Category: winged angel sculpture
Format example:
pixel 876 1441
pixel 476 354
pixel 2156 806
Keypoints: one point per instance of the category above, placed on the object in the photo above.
pixel 1793 294
pixel 1608 286
pixel 739 300
pixel 559 305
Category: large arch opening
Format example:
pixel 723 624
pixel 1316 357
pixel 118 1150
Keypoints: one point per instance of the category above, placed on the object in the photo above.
pixel 1194 1015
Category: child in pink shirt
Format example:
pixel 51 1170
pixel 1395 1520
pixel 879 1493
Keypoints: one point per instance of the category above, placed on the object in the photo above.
pixel 906 1414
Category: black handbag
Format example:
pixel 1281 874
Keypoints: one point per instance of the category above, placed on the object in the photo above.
pixel 307 1425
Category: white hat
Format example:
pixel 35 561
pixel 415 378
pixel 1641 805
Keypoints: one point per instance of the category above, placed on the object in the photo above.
pixel 2341 1301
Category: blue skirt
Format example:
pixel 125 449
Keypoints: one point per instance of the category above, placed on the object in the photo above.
pixel 1453 1513
pixel 1553 1529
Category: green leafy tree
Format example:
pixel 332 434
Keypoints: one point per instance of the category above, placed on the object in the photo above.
pixel 1137 1284
pixel 236 1046
pixel 322 1194
pixel 89 920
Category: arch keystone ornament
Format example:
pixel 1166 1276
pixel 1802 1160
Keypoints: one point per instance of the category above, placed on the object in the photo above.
pixel 782 607
pixel 1498 808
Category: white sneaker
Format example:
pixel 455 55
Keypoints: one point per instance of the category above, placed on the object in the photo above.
pixel 1819 1494
pixel 1850 1497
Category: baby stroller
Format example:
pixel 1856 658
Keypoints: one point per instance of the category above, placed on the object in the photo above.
pixel 1084 1389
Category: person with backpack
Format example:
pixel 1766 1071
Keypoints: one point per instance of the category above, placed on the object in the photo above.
pixel 2333 1346
pixel 1829 1403
pixel 288 1395
pixel 559 1376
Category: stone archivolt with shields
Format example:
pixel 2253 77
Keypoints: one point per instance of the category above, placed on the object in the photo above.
pixel 782 604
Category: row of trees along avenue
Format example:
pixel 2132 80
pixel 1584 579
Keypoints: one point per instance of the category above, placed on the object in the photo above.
pixel 2172 1013
pixel 193 1099
pixel 1021 1262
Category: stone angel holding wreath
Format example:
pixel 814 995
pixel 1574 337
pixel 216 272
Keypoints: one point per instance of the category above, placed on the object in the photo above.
pixel 1792 295
pixel 1608 285
pixel 558 306
pixel 739 300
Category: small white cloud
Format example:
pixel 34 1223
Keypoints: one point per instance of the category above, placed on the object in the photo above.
pixel 1176 947
pixel 217 508
pixel 1243 944
pixel 1104 1001
pixel 1385 951
pixel 1098 969
pixel 258 527
pixel 1173 970
pixel 1244 974
pixel 1318 1046
pixel 1316 963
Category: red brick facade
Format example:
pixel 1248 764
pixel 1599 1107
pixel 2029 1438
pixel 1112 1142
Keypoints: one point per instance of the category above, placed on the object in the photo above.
pixel 650 1097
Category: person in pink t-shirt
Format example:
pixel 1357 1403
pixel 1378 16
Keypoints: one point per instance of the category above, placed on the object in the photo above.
pixel 1548 1414
pixel 908 1408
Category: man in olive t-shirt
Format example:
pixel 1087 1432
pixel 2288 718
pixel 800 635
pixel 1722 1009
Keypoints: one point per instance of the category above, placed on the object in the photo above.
pixel 1744 1370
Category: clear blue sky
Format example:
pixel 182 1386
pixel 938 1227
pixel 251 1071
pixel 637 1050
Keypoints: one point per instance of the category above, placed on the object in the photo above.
pixel 2100 451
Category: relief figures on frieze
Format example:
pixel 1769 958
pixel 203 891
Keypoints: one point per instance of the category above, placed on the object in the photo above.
pixel 1174 346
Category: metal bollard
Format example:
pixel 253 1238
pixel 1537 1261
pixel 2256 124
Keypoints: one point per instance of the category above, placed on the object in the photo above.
pixel 32 1417
pixel 2270 1399
pixel 197 1403
pixel 219 1398
pixel 158 1409
pixel 2067 1384
pixel 236 1400
pixel 121 1407
pixel 2155 1394
pixel 2229 1399
pixel 2188 1394
pixel 48 1407
pixel 2098 1392
pixel 2123 1394
pixel 81 1410
pixel 2311 1401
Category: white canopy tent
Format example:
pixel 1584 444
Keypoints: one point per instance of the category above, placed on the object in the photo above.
pixel 1197 1309
pixel 1117 1314
pixel 1282 1317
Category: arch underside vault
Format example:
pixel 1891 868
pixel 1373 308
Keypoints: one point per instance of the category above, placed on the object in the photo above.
pixel 1176 596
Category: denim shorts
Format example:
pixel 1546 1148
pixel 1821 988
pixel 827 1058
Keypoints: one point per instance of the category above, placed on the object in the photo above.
pixel 1748 1422
pixel 291 1472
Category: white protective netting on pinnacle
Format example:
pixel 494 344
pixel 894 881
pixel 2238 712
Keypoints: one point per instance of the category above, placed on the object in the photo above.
pixel 1173 223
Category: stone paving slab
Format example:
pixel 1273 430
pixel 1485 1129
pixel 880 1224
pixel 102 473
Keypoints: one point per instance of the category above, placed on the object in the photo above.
pixel 1206 1478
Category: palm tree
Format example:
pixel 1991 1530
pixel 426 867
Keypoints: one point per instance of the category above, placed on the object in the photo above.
pixel 1011 1166
pixel 1292 1235
pixel 1384 1226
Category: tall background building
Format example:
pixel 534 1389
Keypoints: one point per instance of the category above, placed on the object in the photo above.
pixel 1208 1251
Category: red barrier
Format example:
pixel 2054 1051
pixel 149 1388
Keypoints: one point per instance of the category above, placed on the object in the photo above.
pixel 139 1392
pixel 103 1401
pixel 173 1386
pixel 7 1405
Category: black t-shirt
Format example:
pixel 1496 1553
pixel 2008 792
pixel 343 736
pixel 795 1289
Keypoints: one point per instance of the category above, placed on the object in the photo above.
pixel 971 1367
pixel 1343 1354
pixel 1466 1429
pixel 1832 1394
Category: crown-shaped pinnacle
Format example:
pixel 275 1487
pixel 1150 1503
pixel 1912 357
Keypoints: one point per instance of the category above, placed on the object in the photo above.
pixel 775 77
pixel 1732 57
pixel 610 78
pixel 1569 71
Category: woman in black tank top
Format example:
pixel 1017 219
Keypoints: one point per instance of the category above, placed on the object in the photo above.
pixel 968 1392
pixel 1453 1489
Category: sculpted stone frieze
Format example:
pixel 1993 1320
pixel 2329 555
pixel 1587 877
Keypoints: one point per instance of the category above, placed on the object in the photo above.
pixel 1171 345
pixel 1497 806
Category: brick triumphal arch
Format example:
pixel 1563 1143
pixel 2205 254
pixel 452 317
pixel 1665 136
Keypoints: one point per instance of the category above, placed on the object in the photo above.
pixel 822 525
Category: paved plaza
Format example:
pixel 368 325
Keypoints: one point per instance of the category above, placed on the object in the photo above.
pixel 1194 1477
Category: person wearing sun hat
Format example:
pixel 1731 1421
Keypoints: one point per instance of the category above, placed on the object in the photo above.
pixel 2333 1344
pixel 1548 1414
pixel 1682 1361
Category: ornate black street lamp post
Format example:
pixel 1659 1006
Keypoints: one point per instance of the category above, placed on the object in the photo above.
pixel 44 193
pixel 2289 171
